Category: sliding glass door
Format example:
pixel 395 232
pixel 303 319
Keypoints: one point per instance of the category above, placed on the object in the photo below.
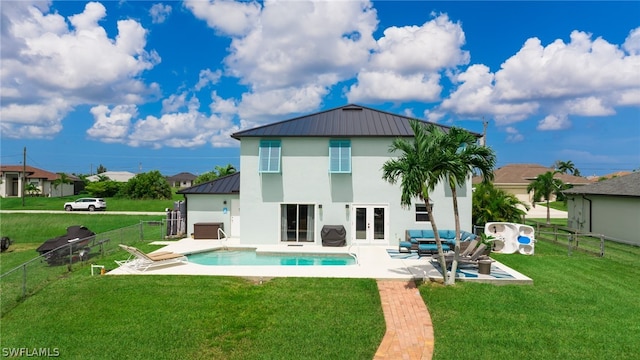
pixel 297 222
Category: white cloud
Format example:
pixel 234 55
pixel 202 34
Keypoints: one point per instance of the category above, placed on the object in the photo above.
pixel 632 42
pixel 554 122
pixel 229 17
pixel 178 130
pixel 382 86
pixel 583 77
pixel 407 62
pixel 112 125
pixel 266 106
pixel 207 77
pixel 159 13
pixel 37 120
pixel 46 63
pixel 513 135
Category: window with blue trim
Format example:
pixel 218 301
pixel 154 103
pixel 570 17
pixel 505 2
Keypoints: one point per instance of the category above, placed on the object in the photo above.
pixel 269 156
pixel 340 156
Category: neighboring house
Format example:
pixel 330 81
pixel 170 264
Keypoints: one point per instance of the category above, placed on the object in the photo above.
pixel 119 176
pixel 609 207
pixel 181 180
pixel 321 169
pixel 514 179
pixel 11 181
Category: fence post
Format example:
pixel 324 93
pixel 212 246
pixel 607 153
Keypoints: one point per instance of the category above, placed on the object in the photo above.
pixel 141 231
pixel 601 245
pixel 24 280
pixel 569 247
pixel 555 232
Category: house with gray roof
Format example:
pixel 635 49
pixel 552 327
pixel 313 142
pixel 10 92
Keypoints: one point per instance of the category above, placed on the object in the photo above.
pixel 181 180
pixel 609 207
pixel 302 174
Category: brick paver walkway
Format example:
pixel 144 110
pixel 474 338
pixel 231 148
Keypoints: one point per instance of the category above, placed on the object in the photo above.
pixel 409 332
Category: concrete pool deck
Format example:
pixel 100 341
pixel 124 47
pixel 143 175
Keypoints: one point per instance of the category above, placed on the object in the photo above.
pixel 374 262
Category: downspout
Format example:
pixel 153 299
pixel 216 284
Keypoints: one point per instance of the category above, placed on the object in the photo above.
pixel 590 207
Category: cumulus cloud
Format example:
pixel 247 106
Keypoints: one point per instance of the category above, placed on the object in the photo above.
pixel 159 13
pixel 554 122
pixel 513 135
pixel 207 77
pixel 586 77
pixel 407 62
pixel 49 66
pixel 112 125
pixel 229 17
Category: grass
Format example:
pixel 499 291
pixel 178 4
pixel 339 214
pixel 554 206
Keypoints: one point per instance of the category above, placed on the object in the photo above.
pixel 28 231
pixel 113 204
pixel 580 307
pixel 197 317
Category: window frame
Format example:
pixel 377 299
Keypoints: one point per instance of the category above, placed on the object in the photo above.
pixel 343 161
pixel 422 214
pixel 269 146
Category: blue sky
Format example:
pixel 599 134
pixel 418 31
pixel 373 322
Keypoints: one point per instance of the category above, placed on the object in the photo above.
pixel 146 85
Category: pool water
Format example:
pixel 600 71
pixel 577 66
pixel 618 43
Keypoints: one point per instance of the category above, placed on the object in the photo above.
pixel 250 257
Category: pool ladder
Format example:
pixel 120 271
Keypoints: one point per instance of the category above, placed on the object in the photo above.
pixel 354 255
pixel 224 242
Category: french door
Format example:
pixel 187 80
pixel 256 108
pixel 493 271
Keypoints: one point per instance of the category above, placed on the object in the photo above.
pixel 297 222
pixel 370 224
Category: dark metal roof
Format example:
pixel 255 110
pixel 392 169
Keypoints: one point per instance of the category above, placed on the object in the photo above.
pixel 627 185
pixel 345 121
pixel 229 184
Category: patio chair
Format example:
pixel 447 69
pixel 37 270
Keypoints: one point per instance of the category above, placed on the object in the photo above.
pixel 465 253
pixel 140 261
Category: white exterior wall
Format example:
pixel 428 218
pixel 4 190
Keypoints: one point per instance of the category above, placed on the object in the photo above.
pixel 209 208
pixel 305 179
pixel 613 216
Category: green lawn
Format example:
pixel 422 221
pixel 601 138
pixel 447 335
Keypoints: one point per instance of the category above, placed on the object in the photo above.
pixel 113 204
pixel 198 317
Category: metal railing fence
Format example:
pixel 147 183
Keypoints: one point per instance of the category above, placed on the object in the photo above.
pixel 33 275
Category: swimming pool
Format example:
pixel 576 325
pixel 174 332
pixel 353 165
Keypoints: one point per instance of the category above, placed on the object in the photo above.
pixel 250 257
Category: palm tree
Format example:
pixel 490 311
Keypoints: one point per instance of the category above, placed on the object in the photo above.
pixel 543 187
pixel 566 167
pixel 461 156
pixel 62 179
pixel 224 171
pixel 493 204
pixel 416 171
pixel 31 189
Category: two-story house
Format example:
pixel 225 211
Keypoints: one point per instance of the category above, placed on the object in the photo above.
pixel 320 169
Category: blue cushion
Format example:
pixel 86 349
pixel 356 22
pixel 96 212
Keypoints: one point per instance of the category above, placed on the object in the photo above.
pixel 428 234
pixel 415 233
pixel 432 247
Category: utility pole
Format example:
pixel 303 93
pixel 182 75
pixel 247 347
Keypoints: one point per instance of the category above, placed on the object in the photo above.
pixel 24 171
pixel 484 131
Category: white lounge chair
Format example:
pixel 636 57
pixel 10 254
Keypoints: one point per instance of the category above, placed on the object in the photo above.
pixel 140 261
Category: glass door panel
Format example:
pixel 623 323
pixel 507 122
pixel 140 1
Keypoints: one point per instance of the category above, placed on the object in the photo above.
pixel 297 223
pixel 361 223
pixel 378 223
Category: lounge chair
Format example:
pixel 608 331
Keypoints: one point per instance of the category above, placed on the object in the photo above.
pixel 140 261
pixel 465 253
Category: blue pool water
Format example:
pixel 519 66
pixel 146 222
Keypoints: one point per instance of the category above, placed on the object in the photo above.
pixel 250 257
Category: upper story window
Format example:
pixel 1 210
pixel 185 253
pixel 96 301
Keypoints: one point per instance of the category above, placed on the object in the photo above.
pixel 340 156
pixel 269 156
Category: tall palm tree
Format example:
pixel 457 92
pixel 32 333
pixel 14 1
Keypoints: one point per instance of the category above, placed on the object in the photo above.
pixel 461 156
pixel 416 169
pixel 566 167
pixel 543 187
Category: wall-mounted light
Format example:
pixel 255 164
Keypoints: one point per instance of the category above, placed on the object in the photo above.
pixel 346 206
pixel 225 202
pixel 320 206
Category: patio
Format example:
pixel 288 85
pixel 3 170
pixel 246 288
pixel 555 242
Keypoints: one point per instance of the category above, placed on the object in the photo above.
pixel 375 262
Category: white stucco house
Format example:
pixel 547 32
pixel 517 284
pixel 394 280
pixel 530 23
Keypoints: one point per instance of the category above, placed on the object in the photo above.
pixel 325 168
pixel 609 207
pixel 12 177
